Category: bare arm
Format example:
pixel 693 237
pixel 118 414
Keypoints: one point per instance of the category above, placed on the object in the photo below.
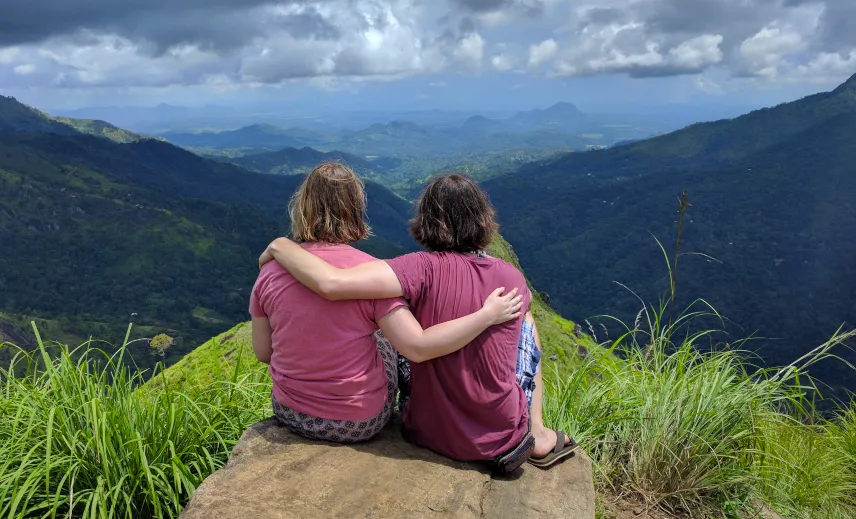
pixel 372 280
pixel 407 336
pixel 262 339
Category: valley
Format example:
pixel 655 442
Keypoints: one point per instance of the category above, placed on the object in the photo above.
pixel 130 228
pixel 673 181
pixel 771 196
pixel 98 233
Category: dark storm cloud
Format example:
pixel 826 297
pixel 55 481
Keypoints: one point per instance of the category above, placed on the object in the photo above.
pixel 215 23
pixel 529 7
pixel 838 25
pixel 310 24
pixel 603 15
pixel 837 29
pixel 748 37
pixel 699 16
pixel 81 43
pixel 482 6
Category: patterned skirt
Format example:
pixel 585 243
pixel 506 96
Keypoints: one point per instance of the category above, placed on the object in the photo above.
pixel 341 431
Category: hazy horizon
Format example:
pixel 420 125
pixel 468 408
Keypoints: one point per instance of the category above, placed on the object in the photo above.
pixel 454 55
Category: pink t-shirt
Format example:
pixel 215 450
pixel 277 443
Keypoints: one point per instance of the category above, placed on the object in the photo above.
pixel 466 405
pixel 325 361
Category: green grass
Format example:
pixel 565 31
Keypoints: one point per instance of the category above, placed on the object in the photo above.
pixel 680 429
pixel 77 439
pixel 669 417
pixel 702 432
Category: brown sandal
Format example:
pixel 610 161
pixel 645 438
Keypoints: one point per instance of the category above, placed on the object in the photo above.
pixel 560 452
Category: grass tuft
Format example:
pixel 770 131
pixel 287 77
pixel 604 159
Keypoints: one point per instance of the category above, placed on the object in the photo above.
pixel 78 440
pixel 690 428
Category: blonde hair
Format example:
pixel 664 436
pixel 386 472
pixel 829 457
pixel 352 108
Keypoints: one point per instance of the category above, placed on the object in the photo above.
pixel 329 206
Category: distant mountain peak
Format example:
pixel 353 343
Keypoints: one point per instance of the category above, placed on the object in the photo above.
pixel 481 121
pixel 263 127
pixel 563 110
pixel 849 85
pixel 565 107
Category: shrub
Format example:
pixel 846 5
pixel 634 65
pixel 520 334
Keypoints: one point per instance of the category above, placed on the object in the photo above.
pixel 698 431
pixel 78 440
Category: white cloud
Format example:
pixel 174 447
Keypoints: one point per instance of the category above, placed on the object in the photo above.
pixel 764 52
pixel 708 85
pixel 471 48
pixel 542 52
pixel 496 18
pixel 698 52
pixel 8 54
pixel 826 67
pixel 502 62
pixel 24 70
pixel 162 44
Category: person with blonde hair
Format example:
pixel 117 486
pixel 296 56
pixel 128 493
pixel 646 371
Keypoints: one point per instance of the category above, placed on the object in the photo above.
pixel 333 363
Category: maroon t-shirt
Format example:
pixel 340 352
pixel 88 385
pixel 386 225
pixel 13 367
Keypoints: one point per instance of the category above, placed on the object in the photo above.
pixel 466 405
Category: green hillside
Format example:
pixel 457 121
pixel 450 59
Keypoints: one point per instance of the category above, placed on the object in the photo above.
pixel 293 161
pixel 218 357
pixel 545 130
pixel 754 445
pixel 17 117
pixel 101 129
pixel 262 136
pixel 771 196
pixel 97 233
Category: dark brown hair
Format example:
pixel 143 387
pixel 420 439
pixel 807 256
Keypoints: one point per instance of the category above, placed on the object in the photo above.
pixel 329 206
pixel 454 214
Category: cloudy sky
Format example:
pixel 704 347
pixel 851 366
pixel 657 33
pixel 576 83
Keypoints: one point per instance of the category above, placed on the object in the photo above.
pixel 423 53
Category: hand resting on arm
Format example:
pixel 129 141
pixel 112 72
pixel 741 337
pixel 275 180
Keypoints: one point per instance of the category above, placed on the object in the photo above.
pixel 407 336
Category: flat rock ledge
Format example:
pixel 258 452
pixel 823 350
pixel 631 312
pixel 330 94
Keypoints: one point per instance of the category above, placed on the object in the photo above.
pixel 274 474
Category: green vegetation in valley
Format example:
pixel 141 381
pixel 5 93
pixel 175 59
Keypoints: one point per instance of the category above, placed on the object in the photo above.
pixel 403 174
pixel 293 161
pixel 667 425
pixel 771 207
pixel 97 233
pixel 260 136
pixel 557 127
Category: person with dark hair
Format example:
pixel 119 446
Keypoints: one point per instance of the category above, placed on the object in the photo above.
pixel 334 373
pixel 484 401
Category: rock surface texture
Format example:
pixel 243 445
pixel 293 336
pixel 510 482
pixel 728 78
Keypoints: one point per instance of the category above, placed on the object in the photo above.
pixel 273 473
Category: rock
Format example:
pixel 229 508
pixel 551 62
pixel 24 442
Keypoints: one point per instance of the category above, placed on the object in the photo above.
pixel 273 473
pixel 765 512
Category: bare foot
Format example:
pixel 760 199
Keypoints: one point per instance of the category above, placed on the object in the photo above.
pixel 545 442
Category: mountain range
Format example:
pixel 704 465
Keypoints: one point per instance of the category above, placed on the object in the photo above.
pixel 562 125
pixel 98 230
pixel 771 196
pixel 123 224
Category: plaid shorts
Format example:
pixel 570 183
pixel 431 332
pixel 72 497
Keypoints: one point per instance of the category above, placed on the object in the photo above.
pixel 528 364
pixel 528 360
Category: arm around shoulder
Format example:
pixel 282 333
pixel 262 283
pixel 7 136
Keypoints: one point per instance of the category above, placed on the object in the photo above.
pixel 371 280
